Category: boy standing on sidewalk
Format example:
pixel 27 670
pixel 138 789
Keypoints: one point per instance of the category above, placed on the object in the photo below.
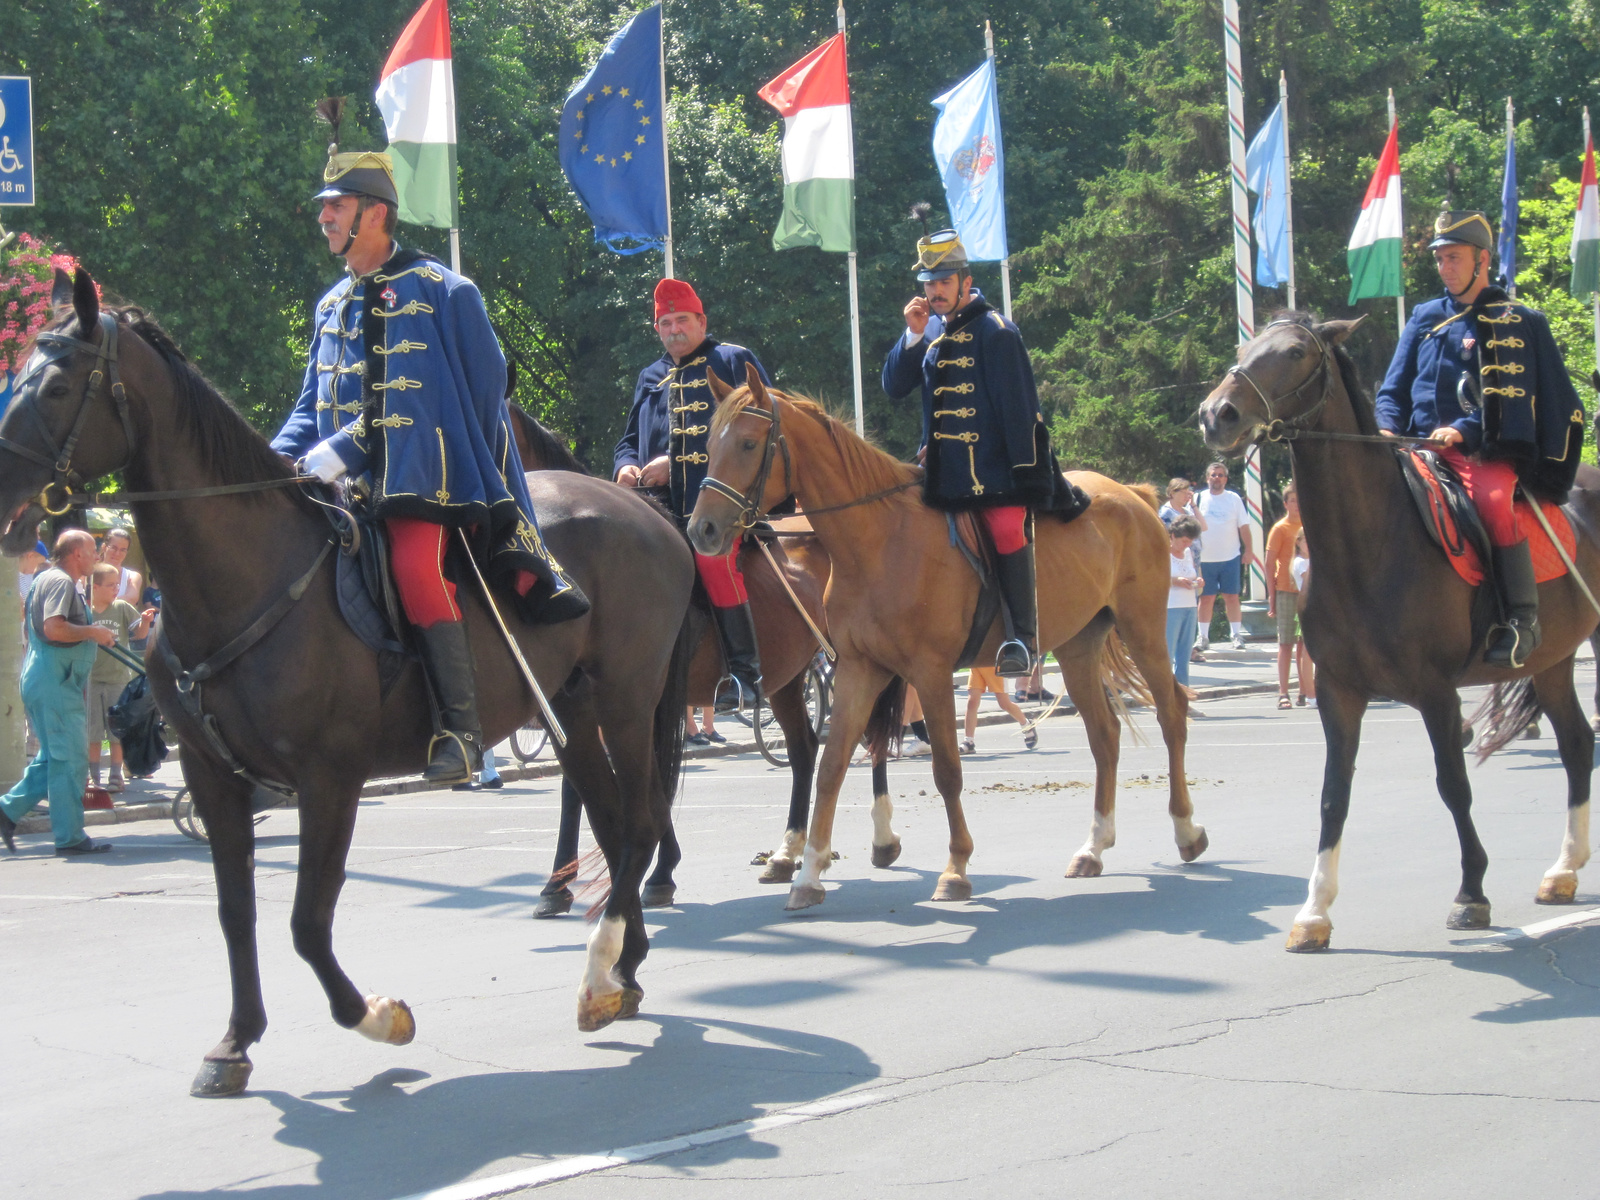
pixel 108 677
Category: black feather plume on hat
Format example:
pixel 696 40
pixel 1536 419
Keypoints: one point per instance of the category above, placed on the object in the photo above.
pixel 330 111
pixel 921 211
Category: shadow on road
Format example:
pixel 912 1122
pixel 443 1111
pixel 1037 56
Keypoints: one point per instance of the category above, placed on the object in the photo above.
pixel 384 1138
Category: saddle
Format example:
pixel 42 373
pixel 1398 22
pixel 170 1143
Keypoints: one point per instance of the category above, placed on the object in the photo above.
pixel 369 602
pixel 1453 522
pixel 971 536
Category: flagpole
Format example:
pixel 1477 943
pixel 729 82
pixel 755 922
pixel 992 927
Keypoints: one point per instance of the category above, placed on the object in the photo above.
pixel 1594 299
pixel 1400 300
pixel 455 249
pixel 1005 263
pixel 1288 181
pixel 1511 284
pixel 1243 278
pixel 666 159
pixel 855 303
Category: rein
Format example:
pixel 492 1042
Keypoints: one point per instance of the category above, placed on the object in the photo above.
pixel 59 460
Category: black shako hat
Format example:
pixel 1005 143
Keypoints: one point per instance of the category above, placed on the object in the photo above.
pixel 1465 228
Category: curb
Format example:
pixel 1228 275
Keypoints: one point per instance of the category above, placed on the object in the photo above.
pixel 161 809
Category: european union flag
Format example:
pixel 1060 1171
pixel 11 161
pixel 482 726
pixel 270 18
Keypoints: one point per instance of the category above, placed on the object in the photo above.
pixel 611 131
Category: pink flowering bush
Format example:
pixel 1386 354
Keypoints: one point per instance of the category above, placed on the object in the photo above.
pixel 27 272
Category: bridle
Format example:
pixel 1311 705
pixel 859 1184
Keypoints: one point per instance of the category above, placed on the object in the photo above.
pixel 59 460
pixel 749 500
pixel 1275 428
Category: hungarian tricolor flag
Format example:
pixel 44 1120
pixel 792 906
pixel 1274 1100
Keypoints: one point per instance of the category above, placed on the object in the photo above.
pixel 1374 251
pixel 1586 232
pixel 819 162
pixel 417 97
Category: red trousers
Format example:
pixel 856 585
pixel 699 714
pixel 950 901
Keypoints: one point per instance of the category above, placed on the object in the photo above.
pixel 1008 526
pixel 417 552
pixel 723 580
pixel 1492 486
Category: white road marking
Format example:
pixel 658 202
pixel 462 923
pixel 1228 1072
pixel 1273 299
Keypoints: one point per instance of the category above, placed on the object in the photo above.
pixel 588 1164
pixel 1537 929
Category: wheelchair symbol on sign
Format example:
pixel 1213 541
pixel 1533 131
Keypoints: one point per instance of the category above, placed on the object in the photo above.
pixel 9 161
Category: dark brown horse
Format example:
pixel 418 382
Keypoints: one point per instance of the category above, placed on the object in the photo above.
pixel 1386 614
pixel 304 705
pixel 901 600
pixel 787 647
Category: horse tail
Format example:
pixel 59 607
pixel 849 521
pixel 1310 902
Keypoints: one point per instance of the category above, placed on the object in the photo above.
pixel 671 711
pixel 1506 711
pixel 1147 492
pixel 883 726
pixel 1121 679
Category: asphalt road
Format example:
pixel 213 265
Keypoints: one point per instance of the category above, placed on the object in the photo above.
pixel 1139 1034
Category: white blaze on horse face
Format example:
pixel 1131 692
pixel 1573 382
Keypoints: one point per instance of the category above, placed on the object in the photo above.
pixel 1324 887
pixel 605 948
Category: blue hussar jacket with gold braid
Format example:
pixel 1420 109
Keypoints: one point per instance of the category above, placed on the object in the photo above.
pixel 671 415
pixel 408 383
pixel 1494 372
pixel 986 439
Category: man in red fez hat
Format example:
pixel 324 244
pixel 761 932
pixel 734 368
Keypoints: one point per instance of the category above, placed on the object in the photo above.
pixel 664 449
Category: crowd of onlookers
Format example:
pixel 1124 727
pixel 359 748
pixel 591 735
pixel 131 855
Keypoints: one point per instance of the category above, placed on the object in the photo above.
pixel 1210 545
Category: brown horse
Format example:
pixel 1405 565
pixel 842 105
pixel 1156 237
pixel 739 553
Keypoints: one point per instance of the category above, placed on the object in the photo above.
pixel 787 647
pixel 901 599
pixel 304 704
pixel 1386 614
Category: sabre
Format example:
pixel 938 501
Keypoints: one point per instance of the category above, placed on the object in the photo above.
pixel 822 638
pixel 551 722
pixel 1562 551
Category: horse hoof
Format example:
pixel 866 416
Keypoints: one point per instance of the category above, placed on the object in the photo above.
pixel 1469 916
pixel 804 895
pixel 779 870
pixel 658 895
pixel 1304 938
pixel 1195 848
pixel 388 1021
pixel 1084 866
pixel 952 888
pixel 553 904
pixel 596 1012
pixel 1557 889
pixel 632 997
pixel 884 856
pixel 221 1077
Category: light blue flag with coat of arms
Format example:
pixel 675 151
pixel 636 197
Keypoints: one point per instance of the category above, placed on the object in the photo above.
pixel 969 154
pixel 1267 175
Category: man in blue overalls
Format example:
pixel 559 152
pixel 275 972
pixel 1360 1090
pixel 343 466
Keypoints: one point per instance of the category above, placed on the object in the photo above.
pixel 61 648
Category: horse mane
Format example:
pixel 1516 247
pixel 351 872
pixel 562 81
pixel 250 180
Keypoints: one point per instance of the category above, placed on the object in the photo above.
pixel 1360 403
pixel 230 447
pixel 865 465
pixel 554 454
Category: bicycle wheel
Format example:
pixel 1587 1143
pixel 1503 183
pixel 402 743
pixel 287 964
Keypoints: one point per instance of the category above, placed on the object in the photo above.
pixel 529 742
pixel 188 821
pixel 819 698
pixel 769 737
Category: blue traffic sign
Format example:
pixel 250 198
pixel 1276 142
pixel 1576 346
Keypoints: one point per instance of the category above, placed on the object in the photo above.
pixel 16 140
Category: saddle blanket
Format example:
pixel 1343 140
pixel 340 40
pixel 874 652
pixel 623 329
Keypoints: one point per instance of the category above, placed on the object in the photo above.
pixel 1461 547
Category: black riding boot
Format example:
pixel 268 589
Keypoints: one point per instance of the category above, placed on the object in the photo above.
pixel 1511 644
pixel 1021 647
pixel 737 629
pixel 457 753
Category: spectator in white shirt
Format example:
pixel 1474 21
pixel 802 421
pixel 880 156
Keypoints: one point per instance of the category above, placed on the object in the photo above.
pixel 1225 552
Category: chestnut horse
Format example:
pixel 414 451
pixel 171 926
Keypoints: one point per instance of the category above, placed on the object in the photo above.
pixel 901 599
pixel 1386 614
pixel 787 647
pixel 291 695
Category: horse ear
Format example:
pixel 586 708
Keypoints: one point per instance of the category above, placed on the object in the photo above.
pixel 720 391
pixel 758 390
pixel 511 378
pixel 86 303
pixel 1336 333
pixel 61 291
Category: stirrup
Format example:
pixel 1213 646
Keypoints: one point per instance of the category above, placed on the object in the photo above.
pixel 1524 641
pixel 1013 660
pixel 471 759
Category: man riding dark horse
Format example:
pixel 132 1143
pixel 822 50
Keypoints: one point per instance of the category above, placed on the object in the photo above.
pixel 406 390
pixel 984 441
pixel 664 447
pixel 1481 376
